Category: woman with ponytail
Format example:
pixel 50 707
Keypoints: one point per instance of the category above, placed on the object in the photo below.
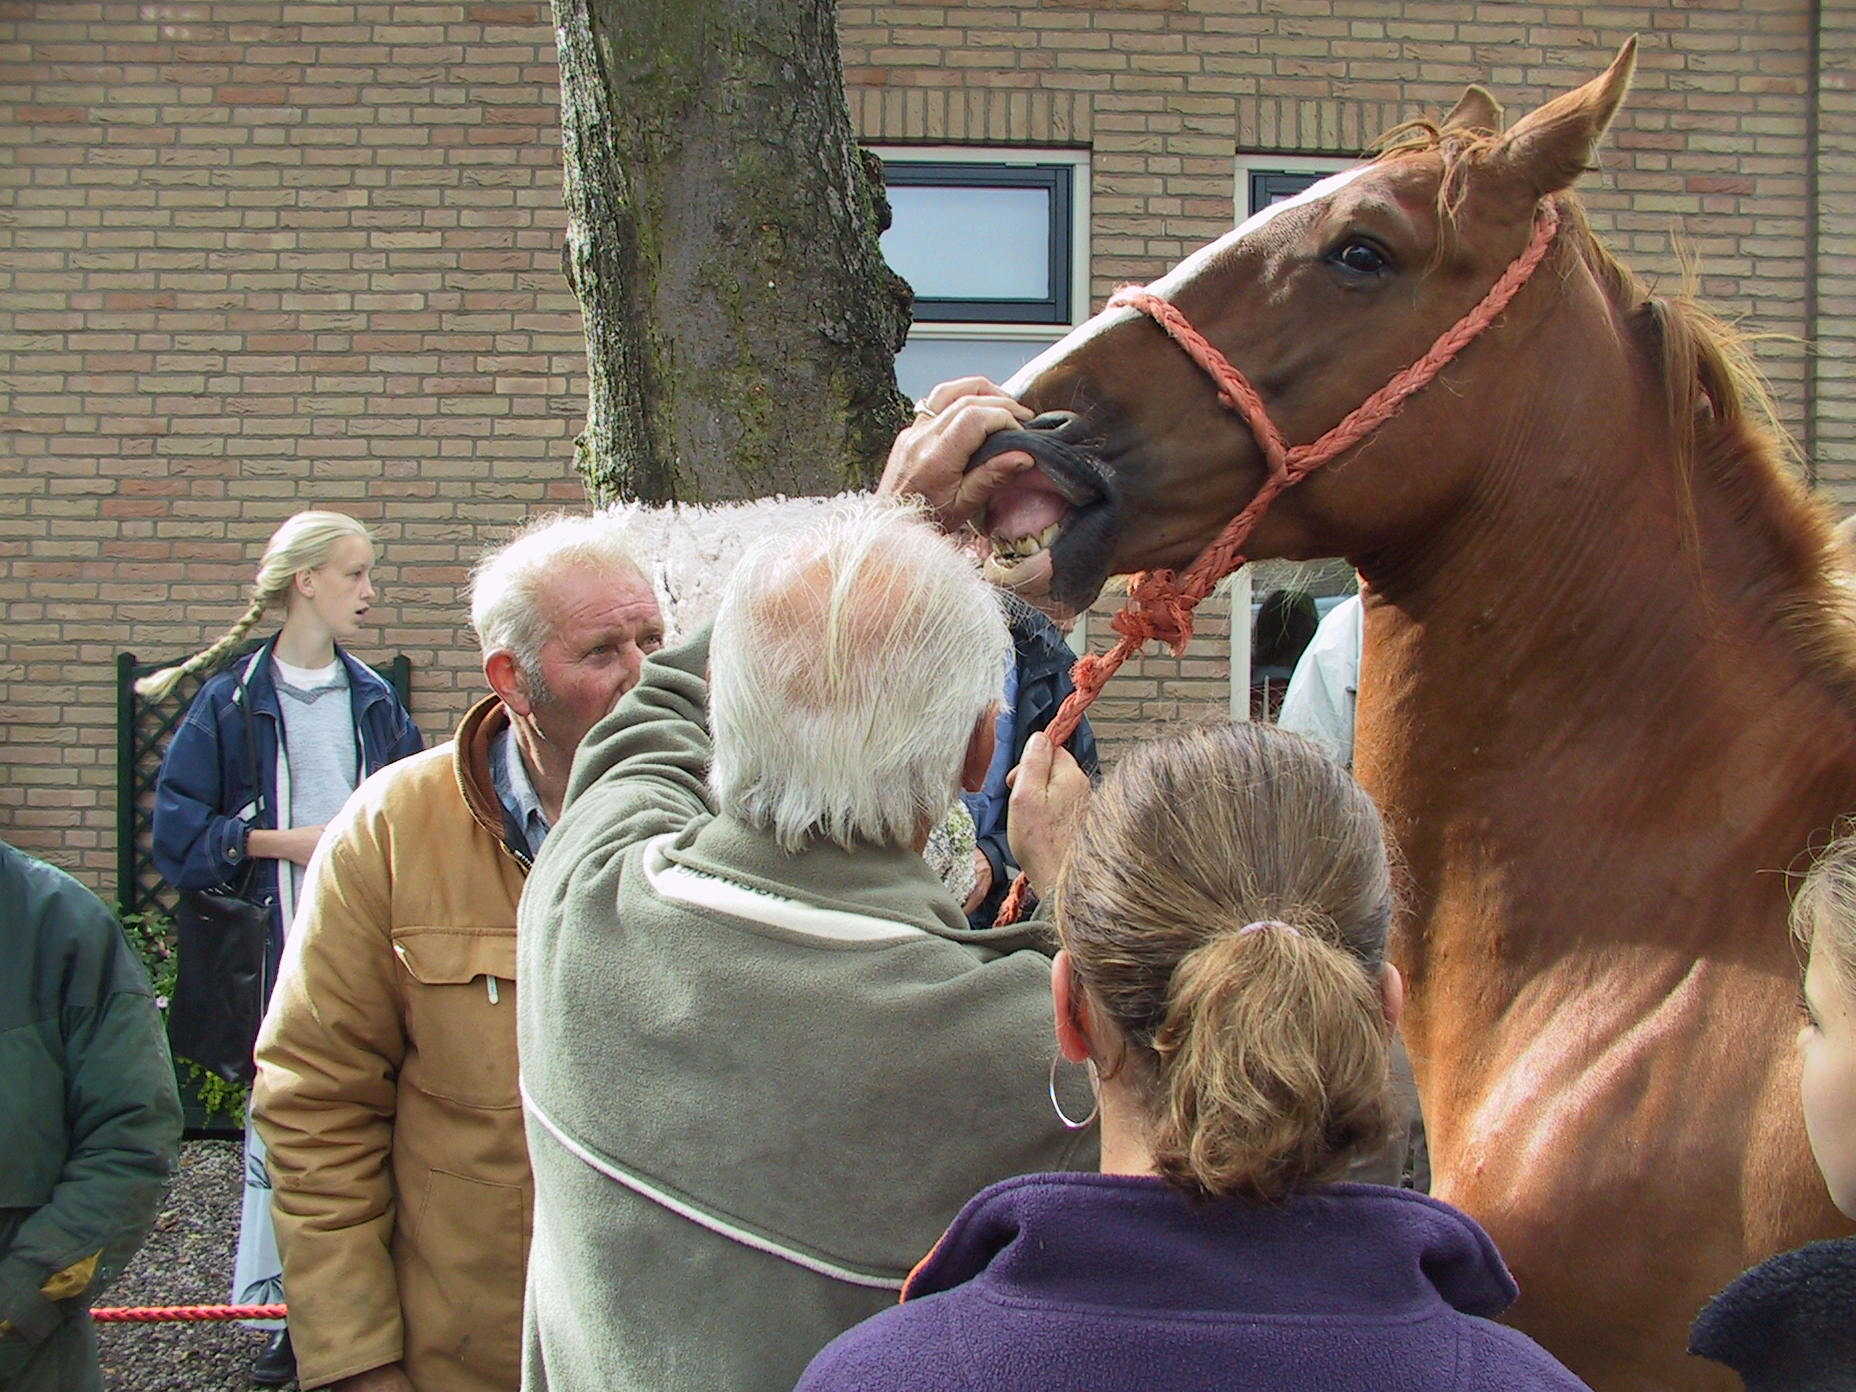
pixel 267 753
pixel 1222 901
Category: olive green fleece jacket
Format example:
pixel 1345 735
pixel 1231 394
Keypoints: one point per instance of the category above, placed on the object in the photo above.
pixel 758 1084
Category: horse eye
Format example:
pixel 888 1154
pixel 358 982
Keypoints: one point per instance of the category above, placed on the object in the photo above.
pixel 1362 258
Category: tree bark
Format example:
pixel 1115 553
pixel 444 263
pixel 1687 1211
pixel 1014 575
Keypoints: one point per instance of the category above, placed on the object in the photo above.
pixel 741 325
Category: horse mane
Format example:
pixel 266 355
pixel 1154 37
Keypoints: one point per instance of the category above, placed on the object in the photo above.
pixel 1723 421
pixel 1718 409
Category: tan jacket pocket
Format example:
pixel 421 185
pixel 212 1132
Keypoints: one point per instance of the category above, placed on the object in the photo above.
pixel 461 1280
pixel 460 1014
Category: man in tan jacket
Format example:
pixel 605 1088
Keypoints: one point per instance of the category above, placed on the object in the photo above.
pixel 386 1085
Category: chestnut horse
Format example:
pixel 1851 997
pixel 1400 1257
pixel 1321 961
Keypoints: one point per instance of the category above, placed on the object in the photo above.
pixel 1608 699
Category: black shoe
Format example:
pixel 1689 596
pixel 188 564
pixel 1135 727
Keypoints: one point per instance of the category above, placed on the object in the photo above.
pixel 277 1364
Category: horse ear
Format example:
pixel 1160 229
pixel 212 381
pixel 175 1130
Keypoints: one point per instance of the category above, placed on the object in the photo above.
pixel 1551 147
pixel 1477 111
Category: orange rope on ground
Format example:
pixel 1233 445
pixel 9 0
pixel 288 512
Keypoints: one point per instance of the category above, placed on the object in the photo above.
pixel 1160 604
pixel 161 1314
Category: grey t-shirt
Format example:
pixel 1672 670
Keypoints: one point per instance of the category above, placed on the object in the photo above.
pixel 320 745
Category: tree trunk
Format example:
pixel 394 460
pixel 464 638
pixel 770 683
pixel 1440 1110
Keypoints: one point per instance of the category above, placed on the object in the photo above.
pixel 741 325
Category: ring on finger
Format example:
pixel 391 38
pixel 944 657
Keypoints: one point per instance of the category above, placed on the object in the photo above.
pixel 923 411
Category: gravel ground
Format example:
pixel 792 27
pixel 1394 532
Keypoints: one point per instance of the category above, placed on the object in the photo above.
pixel 187 1260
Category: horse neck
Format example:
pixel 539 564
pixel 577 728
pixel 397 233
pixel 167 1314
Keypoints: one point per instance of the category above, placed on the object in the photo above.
pixel 1590 642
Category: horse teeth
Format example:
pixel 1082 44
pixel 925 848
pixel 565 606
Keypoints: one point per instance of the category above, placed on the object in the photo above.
pixel 1009 551
pixel 1020 548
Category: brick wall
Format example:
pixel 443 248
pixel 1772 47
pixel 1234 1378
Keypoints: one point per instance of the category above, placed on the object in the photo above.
pixel 261 256
pixel 1835 268
pixel 1157 690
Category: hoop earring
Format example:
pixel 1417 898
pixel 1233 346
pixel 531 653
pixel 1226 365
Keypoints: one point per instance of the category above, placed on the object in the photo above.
pixel 1095 1086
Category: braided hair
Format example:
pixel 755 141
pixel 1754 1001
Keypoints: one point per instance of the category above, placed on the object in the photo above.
pixel 302 543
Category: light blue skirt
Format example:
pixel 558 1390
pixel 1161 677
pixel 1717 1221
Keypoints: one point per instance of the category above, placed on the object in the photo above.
pixel 257 1272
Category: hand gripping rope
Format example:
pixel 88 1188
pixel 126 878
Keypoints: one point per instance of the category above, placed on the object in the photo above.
pixel 1160 603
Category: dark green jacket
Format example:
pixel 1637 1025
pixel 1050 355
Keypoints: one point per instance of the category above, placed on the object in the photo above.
pixel 89 1119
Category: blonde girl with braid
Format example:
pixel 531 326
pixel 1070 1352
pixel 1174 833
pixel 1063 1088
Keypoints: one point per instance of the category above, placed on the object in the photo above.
pixel 266 755
pixel 1222 902
pixel 306 543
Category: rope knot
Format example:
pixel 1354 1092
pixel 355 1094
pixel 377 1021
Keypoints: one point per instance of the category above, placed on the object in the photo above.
pixel 1158 609
pixel 1091 672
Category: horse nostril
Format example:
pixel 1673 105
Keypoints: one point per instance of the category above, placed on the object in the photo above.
pixel 1065 425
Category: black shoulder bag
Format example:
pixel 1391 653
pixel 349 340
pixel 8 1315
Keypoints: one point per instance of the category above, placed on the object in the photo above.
pixel 224 941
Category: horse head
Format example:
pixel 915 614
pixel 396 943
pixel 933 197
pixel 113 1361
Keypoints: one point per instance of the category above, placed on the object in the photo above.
pixel 1318 302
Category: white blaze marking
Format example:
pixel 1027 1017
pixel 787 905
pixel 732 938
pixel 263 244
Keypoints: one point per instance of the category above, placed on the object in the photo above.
pixel 1316 191
pixel 1174 280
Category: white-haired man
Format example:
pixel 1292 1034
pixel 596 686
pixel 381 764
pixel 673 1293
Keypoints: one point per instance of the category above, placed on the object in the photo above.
pixel 386 1083
pixel 764 1058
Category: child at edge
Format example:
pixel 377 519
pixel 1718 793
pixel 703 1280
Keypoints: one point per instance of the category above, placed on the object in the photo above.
pixel 1789 1324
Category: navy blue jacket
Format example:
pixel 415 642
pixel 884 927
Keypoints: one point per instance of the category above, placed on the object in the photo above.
pixel 205 805
pixel 1039 683
pixel 1052 1282
pixel 1786 1325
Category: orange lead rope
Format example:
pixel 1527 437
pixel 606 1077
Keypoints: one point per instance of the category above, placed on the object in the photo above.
pixel 160 1314
pixel 1159 603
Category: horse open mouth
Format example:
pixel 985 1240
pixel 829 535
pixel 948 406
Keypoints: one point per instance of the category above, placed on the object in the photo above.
pixel 1024 519
pixel 1052 528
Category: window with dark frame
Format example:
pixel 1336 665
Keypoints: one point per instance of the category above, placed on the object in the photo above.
pixel 1269 186
pixel 982 243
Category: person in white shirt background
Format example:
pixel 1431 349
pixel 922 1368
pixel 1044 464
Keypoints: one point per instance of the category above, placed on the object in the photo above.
pixel 1319 704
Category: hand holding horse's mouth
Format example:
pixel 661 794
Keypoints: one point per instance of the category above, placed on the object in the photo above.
pixel 934 458
pixel 1032 486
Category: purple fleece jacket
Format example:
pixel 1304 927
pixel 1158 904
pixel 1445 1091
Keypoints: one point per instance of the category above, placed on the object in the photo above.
pixel 1109 1283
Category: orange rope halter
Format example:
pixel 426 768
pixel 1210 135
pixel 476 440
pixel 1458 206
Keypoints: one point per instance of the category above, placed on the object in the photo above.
pixel 1160 604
